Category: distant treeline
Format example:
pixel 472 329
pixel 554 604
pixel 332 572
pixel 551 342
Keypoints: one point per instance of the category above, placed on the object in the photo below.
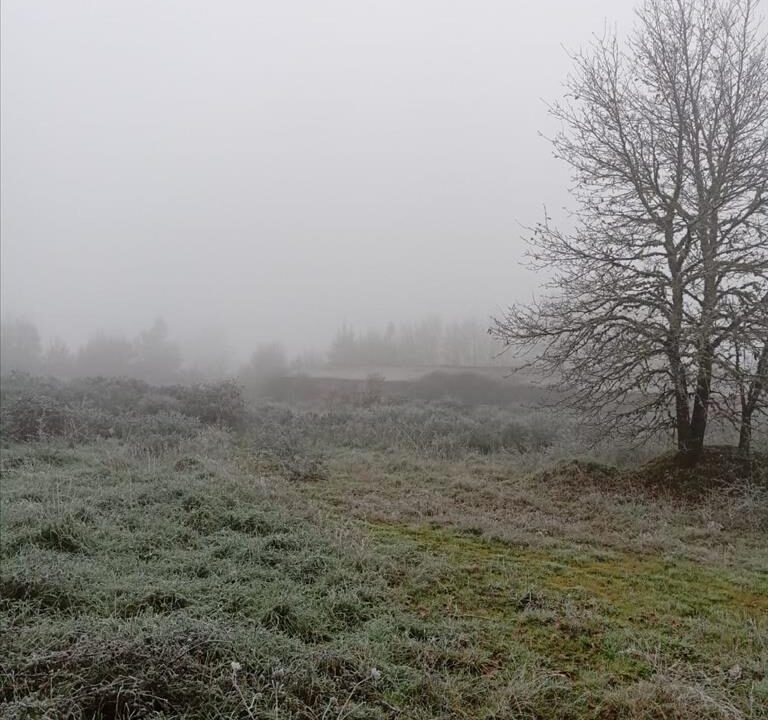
pixel 153 356
pixel 429 342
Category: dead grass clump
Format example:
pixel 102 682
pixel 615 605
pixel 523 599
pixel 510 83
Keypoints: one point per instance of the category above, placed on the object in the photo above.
pixel 186 464
pixel 666 698
pixel 64 535
pixel 155 602
pixel 207 519
pixel 44 593
pixel 301 468
pixel 348 613
pixel 120 678
pixel 256 524
pixel 285 618
pixel 531 690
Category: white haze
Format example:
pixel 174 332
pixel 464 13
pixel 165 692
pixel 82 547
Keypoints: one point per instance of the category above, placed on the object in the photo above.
pixel 276 168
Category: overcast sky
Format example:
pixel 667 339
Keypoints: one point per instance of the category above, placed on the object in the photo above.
pixel 277 167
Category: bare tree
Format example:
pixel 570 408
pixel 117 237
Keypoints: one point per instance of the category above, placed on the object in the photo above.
pixel 667 137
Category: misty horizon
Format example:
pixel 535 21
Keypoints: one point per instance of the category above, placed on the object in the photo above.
pixel 273 171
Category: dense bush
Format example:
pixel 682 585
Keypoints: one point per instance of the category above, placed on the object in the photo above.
pixel 158 417
pixel 154 433
pixel 437 429
pixel 36 417
pixel 218 403
pixel 148 417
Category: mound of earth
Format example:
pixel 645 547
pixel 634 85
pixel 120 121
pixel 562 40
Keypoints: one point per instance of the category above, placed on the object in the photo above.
pixel 719 467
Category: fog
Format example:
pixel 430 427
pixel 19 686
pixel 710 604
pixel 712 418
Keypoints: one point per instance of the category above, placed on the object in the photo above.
pixel 272 170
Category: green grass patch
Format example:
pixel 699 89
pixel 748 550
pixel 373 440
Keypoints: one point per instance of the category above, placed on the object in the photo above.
pixel 598 619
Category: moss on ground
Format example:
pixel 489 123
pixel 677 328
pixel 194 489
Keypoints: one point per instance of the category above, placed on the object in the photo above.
pixel 599 619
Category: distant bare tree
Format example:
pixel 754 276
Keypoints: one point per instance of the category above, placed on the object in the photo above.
pixel 751 395
pixel 743 369
pixel 667 137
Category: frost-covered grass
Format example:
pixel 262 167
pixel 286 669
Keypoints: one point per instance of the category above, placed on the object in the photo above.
pixel 202 582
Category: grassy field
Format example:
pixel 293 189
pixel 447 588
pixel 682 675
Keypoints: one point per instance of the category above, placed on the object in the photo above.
pixel 212 580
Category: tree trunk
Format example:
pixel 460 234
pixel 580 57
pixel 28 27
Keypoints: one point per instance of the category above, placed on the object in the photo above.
pixel 678 372
pixel 756 388
pixel 707 235
pixel 682 416
pixel 745 434
pixel 694 446
pixel 699 416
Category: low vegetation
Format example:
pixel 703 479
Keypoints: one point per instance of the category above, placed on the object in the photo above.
pixel 300 564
